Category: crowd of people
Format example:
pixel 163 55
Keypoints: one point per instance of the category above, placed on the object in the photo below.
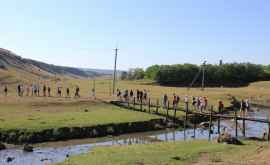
pixel 139 95
pixel 44 90
pixel 199 103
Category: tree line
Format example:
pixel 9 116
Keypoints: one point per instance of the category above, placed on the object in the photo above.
pixel 229 74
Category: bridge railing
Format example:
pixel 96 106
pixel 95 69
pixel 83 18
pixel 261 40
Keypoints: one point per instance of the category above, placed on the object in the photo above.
pixel 165 110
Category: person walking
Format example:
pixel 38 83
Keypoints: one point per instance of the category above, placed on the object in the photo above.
pixel 59 92
pixel 49 91
pixel 138 95
pixel 131 93
pixel 119 94
pixel 38 90
pixel 243 107
pixel 67 92
pixel 27 90
pixel 165 101
pixel 77 92
pixel 94 93
pixel 145 95
pixel 194 102
pixel 220 106
pixel 205 102
pixel 174 101
pixel 19 90
pixel 35 90
pixel 44 90
pixel 6 91
pixel 186 101
pixel 32 89
pixel 198 103
pixel 247 105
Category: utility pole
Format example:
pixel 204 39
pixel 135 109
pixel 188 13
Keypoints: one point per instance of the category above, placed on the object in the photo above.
pixel 114 74
pixel 203 74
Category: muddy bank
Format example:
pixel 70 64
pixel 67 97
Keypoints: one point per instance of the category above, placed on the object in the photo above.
pixel 22 136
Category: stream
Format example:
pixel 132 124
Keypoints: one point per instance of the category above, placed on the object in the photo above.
pixel 55 152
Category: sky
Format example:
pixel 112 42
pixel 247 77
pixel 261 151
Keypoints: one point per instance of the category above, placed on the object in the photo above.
pixel 83 33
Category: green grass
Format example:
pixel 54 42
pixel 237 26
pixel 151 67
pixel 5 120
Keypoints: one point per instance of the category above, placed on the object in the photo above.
pixel 39 116
pixel 258 92
pixel 170 153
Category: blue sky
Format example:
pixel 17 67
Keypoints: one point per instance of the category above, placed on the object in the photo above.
pixel 83 33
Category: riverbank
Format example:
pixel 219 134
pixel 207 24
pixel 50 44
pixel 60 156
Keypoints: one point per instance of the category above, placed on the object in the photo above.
pixel 55 152
pixel 188 152
pixel 51 121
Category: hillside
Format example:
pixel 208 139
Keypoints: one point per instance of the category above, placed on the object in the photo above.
pixel 14 68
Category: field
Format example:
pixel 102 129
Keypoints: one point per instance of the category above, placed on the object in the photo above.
pixel 46 112
pixel 258 92
pixel 172 153
pixel 41 115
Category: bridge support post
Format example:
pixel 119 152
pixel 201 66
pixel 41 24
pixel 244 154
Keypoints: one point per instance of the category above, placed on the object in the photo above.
pixel 149 105
pixel 185 123
pixel 244 125
pixel 210 123
pixel 167 115
pixel 174 118
pixel 134 102
pixel 194 126
pixel 236 123
pixel 268 137
pixel 219 118
pixel 128 102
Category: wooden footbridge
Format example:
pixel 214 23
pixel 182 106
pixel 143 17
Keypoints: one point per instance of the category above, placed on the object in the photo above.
pixel 210 115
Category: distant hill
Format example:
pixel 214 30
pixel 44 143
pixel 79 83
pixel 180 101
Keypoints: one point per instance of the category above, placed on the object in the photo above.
pixel 107 72
pixel 12 63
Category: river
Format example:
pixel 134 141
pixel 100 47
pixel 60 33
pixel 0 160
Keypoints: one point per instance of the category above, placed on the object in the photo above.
pixel 54 152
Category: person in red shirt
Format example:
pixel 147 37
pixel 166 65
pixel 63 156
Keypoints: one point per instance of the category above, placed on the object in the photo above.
pixel 220 106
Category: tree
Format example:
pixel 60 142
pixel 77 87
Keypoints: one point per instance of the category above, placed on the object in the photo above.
pixel 139 74
pixel 135 74
pixel 233 74
pixel 124 75
pixel 151 72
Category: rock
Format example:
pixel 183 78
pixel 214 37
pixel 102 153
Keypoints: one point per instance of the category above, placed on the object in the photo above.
pixel 228 139
pixel 2 146
pixel 28 148
pixel 10 159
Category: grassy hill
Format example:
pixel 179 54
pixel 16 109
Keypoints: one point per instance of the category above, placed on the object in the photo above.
pixel 14 68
